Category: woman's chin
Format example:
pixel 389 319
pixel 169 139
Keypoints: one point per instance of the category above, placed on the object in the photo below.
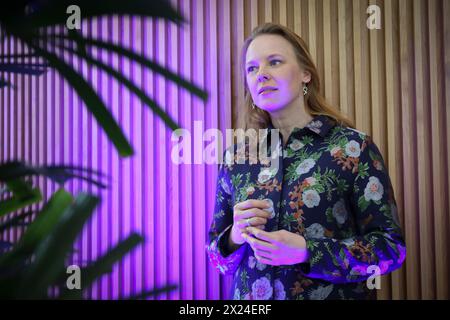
pixel 271 108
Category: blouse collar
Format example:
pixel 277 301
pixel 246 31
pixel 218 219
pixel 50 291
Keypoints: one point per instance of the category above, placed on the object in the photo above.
pixel 320 124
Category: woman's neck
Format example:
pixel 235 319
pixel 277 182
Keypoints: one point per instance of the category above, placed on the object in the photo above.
pixel 288 119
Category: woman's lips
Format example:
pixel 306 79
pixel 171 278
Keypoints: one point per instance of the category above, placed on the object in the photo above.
pixel 266 92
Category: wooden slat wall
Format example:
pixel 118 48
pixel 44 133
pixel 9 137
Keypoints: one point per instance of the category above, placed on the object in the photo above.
pixel 393 82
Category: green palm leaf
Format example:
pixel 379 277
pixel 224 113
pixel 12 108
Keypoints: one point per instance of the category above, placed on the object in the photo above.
pixel 53 12
pixel 57 173
pixel 132 56
pixel 102 265
pixel 23 195
pixel 30 28
pixel 50 256
pixel 23 68
pixel 133 88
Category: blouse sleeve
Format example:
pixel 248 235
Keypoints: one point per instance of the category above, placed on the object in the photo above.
pixel 378 247
pixel 224 261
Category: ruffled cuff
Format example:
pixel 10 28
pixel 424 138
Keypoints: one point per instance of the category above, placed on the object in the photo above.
pixel 226 262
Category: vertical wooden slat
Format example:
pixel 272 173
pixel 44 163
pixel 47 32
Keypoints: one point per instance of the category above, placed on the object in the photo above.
pixel 103 163
pixel 312 28
pixel 437 153
pixel 375 90
pixel 12 115
pixel 84 157
pixel 125 120
pixel 18 112
pixel 357 63
pixel 237 23
pixel 327 81
pixel 297 12
pixel 186 173
pixel 390 110
pixel 95 235
pixel 343 79
pixel 199 172
pixel 410 205
pixel 149 196
pixel 225 84
pixel 136 109
pixel 446 51
pixel 18 120
pixel 423 153
pixel 174 226
pixel 283 12
pixel 213 285
pixel 161 160
pixel 392 121
pixel 366 101
pixel 253 14
pixel 335 96
pixel 377 114
pixel 115 222
pixel 268 14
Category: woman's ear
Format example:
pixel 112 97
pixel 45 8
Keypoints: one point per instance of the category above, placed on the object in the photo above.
pixel 306 77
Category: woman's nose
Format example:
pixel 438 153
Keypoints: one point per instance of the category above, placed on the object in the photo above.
pixel 262 77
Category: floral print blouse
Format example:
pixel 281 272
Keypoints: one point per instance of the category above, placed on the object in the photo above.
pixel 332 187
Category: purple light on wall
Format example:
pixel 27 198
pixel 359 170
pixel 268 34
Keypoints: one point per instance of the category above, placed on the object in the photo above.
pixel 44 122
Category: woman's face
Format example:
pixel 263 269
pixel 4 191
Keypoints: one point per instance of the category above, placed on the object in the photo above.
pixel 271 62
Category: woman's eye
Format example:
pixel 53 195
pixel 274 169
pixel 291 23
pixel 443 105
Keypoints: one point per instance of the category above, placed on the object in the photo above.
pixel 250 69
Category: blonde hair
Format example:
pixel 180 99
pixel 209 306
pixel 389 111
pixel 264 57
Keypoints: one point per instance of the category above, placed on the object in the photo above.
pixel 315 103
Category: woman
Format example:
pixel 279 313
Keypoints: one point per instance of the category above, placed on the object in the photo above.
pixel 325 221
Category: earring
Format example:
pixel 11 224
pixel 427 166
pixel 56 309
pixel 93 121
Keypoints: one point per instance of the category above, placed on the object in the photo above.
pixel 253 106
pixel 305 89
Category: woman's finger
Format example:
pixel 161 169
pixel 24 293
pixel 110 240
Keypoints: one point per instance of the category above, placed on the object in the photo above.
pixel 251 222
pixel 244 223
pixel 263 259
pixel 253 212
pixel 259 244
pixel 252 203
pixel 263 235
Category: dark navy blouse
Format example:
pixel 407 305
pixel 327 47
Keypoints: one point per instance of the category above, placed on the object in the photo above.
pixel 332 187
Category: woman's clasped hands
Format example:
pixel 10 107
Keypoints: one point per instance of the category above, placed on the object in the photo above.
pixel 276 248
